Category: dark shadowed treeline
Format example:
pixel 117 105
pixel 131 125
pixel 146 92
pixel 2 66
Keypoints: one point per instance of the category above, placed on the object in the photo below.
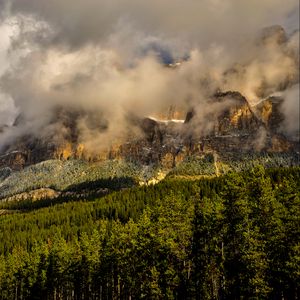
pixel 231 237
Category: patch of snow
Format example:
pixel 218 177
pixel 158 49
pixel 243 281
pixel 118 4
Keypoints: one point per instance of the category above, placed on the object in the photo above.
pixel 275 94
pixel 166 121
pixel 174 65
pixel 9 153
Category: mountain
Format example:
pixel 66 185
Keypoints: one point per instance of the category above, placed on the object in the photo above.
pixel 234 128
pixel 224 134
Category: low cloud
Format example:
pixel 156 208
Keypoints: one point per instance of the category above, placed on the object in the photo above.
pixel 107 60
pixel 291 111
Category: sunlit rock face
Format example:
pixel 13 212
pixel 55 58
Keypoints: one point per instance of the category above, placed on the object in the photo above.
pixel 243 128
pixel 236 127
pixel 238 118
pixel 270 112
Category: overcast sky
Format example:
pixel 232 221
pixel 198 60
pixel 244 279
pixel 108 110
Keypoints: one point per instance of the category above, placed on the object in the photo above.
pixel 107 55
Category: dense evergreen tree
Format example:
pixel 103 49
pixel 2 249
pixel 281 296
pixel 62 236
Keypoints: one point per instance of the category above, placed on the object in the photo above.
pixel 229 237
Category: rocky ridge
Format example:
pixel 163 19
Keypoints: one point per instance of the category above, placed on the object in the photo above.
pixel 237 127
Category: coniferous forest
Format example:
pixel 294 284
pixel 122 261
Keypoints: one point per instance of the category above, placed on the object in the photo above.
pixel 230 237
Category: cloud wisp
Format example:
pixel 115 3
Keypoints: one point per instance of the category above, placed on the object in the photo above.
pixel 108 60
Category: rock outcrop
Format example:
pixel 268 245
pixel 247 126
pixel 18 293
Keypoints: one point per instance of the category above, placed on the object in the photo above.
pixel 237 127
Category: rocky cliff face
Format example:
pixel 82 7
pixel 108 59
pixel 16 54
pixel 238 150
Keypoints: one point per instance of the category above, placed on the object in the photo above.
pixel 231 126
pixel 237 127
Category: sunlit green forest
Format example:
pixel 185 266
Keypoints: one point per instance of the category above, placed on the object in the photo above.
pixel 236 236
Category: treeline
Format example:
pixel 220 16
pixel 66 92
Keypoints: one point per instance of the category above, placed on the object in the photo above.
pixel 235 162
pixel 231 237
pixel 86 190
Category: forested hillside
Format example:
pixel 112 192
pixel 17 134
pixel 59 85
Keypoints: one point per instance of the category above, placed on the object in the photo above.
pixel 230 237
